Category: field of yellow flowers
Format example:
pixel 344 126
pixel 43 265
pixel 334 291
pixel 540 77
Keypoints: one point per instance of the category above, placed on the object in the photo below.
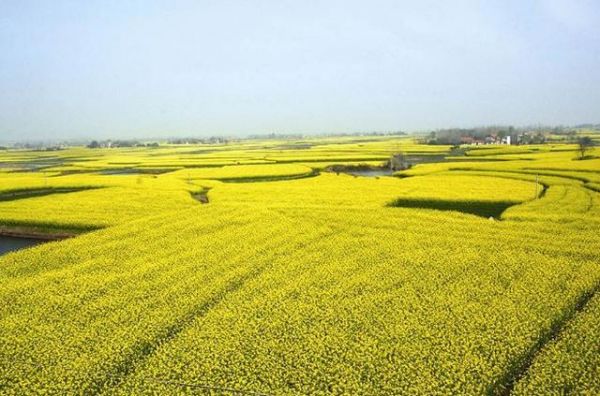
pixel 473 272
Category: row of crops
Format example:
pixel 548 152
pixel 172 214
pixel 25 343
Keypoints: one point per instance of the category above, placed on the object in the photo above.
pixel 329 284
pixel 298 303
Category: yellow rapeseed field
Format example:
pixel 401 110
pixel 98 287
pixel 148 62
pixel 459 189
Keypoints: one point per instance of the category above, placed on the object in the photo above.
pixel 465 274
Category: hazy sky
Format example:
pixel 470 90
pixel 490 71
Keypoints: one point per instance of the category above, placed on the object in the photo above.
pixel 165 68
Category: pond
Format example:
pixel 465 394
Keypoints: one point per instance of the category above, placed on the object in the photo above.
pixel 10 243
pixel 371 172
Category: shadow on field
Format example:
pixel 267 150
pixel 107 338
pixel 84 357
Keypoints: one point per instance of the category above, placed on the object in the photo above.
pixel 478 208
pixel 13 195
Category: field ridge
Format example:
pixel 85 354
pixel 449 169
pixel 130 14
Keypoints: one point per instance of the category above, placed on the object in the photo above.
pixel 147 348
pixel 518 370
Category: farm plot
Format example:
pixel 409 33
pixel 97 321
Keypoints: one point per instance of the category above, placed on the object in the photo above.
pixel 330 284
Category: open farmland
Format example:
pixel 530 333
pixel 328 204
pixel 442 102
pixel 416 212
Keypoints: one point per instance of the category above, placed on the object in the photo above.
pixel 249 268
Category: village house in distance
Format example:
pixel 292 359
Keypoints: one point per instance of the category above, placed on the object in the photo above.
pixel 502 135
pixel 491 139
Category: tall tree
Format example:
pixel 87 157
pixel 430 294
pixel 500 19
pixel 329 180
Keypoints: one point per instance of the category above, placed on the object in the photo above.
pixel 583 144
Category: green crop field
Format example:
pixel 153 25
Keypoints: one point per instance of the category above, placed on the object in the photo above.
pixel 252 268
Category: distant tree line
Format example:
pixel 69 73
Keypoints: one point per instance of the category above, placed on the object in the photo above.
pixel 304 136
pixel 588 126
pixel 207 140
pixel 119 143
pixel 39 146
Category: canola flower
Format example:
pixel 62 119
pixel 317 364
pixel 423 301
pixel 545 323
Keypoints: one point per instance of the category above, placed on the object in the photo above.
pixel 310 286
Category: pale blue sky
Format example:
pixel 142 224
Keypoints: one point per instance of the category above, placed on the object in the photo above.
pixel 166 68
